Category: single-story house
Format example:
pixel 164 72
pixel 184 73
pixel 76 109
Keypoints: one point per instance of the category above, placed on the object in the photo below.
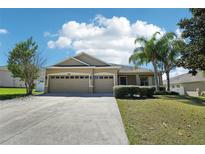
pixel 187 84
pixel 84 73
pixel 7 80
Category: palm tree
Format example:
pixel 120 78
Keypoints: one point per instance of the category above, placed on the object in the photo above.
pixel 147 53
pixel 169 51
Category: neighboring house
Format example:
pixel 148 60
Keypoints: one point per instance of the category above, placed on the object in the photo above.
pixel 84 73
pixel 7 80
pixel 187 84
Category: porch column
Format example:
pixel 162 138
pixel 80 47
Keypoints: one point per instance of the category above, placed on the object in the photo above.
pixel 137 79
pixel 150 81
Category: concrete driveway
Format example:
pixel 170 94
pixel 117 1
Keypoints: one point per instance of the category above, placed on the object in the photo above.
pixel 61 119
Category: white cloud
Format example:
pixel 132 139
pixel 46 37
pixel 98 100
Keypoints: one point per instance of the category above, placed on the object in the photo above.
pixel 110 39
pixel 3 31
pixel 142 28
pixel 62 42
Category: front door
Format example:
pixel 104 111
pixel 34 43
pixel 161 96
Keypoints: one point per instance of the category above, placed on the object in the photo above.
pixel 123 80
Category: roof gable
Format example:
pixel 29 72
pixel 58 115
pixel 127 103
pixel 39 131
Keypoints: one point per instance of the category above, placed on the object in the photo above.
pixel 72 62
pixel 92 61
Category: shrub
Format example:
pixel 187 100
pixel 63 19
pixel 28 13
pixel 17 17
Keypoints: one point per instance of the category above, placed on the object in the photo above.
pixel 160 93
pixel 173 93
pixel 166 93
pixel 120 91
pixel 132 91
pixel 147 92
pixel 161 88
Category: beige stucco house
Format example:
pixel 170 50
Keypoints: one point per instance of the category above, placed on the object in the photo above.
pixel 84 73
pixel 187 84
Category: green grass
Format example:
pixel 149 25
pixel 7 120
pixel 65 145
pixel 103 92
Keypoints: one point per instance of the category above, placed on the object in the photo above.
pixel 10 93
pixel 164 120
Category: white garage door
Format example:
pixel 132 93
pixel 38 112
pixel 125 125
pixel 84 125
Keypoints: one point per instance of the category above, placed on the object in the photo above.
pixel 69 84
pixel 103 84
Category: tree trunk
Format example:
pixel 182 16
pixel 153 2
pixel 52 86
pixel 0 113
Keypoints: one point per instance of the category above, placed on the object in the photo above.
pixel 30 88
pixel 30 91
pixel 27 88
pixel 168 80
pixel 156 76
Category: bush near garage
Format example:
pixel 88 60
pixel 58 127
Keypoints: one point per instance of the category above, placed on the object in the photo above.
pixel 132 91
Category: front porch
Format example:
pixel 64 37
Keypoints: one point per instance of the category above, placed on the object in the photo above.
pixel 137 79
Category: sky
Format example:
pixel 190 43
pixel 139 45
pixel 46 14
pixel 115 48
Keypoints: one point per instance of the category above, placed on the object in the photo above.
pixel 107 34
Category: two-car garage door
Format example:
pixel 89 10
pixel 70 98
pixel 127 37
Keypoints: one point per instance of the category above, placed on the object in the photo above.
pixel 69 84
pixel 80 84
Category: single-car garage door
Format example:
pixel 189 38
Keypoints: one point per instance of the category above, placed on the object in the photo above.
pixel 103 84
pixel 69 84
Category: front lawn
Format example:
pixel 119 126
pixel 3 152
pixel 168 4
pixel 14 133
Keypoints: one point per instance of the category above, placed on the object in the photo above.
pixel 9 93
pixel 164 120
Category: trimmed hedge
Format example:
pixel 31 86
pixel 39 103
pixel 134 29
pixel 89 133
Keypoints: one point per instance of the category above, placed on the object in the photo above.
pixel 166 93
pixel 131 91
pixel 161 88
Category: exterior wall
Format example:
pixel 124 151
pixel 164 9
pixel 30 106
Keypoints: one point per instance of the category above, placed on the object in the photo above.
pixel 89 71
pixel 194 88
pixel 6 80
pixel 177 88
pixel 191 89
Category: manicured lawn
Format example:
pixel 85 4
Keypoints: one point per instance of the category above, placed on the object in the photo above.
pixel 9 93
pixel 164 120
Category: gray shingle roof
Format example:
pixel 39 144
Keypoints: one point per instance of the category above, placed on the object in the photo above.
pixel 127 68
pixel 185 78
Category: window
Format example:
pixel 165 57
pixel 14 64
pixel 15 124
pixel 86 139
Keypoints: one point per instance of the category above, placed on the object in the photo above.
pixel 123 80
pixel 105 77
pixel 110 77
pixel 143 80
pixel 81 77
pixel 173 86
pixel 52 77
pixel 62 77
pixel 178 86
pixel 67 77
pixel 71 77
pixel 96 77
pixel 86 77
pixel 76 77
pixel 57 77
pixel 100 77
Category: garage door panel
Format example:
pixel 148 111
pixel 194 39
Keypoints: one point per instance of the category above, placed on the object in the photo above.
pixel 103 84
pixel 70 84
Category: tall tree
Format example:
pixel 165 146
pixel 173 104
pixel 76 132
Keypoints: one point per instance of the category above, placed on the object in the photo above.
pixel 193 55
pixel 147 53
pixel 169 47
pixel 24 62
